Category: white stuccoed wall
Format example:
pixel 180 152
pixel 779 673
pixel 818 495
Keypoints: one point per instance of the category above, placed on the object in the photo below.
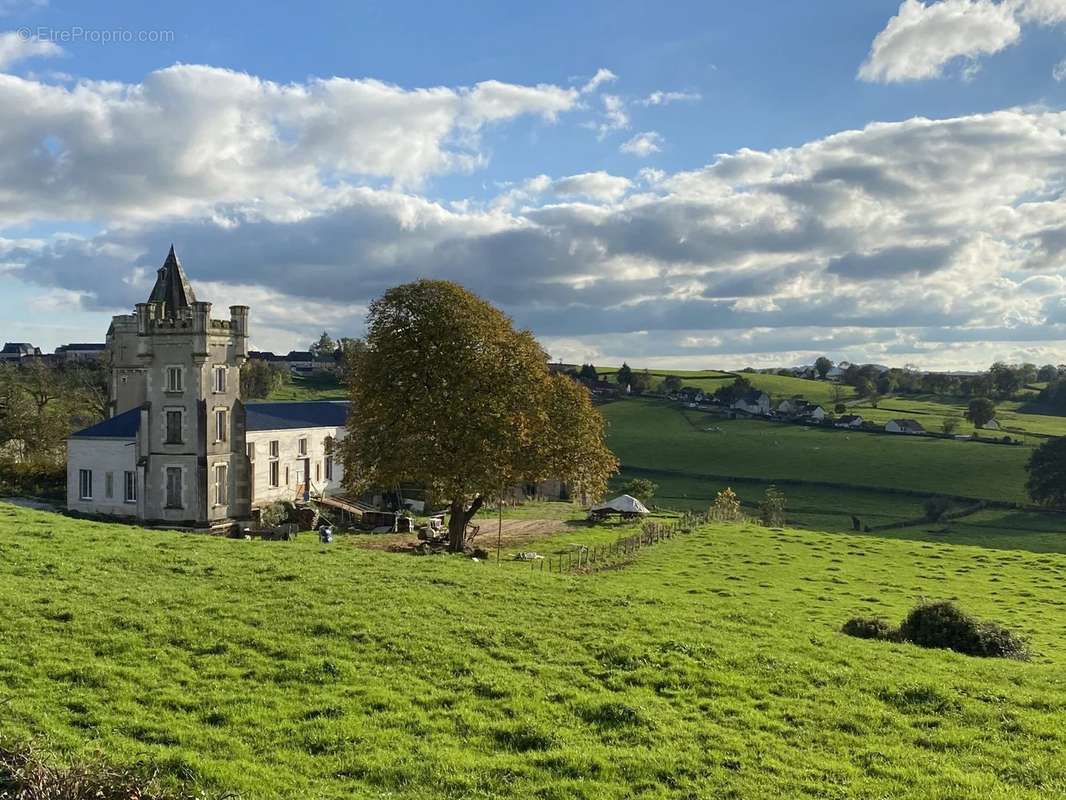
pixel 101 456
pixel 262 492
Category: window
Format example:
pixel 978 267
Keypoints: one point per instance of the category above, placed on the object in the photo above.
pixel 220 425
pixel 250 450
pixel 85 484
pixel 301 446
pixel 220 379
pixel 329 468
pixel 318 471
pixel 174 487
pixel 220 485
pixel 109 485
pixel 286 476
pixel 327 445
pixel 274 473
pixel 174 379
pixel 130 495
pixel 274 449
pixel 173 427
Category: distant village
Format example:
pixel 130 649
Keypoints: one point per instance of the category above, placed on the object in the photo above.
pixel 297 361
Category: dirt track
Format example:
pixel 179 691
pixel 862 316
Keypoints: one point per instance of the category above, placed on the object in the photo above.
pixel 515 532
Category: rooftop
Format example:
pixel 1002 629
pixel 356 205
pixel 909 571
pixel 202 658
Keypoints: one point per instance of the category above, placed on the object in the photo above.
pixel 120 426
pixel 306 414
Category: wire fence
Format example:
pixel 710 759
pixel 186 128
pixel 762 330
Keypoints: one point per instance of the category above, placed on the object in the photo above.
pixel 586 559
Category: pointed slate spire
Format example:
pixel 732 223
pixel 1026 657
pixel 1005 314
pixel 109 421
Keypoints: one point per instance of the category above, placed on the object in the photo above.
pixel 172 288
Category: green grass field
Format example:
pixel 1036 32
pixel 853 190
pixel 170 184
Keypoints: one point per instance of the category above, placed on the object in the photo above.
pixel 318 386
pixel 830 475
pixel 657 435
pixel 711 666
pixel 779 387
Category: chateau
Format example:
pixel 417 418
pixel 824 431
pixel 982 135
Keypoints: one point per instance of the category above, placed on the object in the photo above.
pixel 180 447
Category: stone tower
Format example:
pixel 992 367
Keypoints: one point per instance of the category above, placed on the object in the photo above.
pixel 182 369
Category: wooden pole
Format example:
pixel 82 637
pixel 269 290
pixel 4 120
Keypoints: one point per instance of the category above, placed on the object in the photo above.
pixel 499 529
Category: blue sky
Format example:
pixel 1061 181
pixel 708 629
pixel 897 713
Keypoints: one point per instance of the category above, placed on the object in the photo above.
pixel 744 183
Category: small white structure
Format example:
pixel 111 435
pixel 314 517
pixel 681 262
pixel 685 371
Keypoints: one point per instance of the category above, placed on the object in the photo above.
pixel 908 426
pixel 991 425
pixel 848 421
pixel 623 504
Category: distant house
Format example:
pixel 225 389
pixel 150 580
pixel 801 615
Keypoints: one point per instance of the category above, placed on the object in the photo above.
pixel 991 425
pixel 788 407
pixel 755 402
pixel 691 394
pixel 798 408
pixel 909 426
pixel 601 388
pixel 300 360
pixel 264 355
pixel 16 351
pixel 849 421
pixel 80 351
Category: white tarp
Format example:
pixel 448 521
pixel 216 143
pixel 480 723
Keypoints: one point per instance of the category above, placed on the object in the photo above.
pixel 623 504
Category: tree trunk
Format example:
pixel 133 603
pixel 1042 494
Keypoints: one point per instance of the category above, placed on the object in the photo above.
pixel 458 517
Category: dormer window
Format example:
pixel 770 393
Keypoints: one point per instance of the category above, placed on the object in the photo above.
pixel 174 379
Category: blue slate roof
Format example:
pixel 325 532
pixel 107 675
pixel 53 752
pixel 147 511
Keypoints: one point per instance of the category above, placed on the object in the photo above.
pixel 120 426
pixel 286 416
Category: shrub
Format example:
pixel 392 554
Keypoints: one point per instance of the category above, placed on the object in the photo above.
pixel 34 479
pixel 945 625
pixel 772 508
pixel 936 507
pixel 640 488
pixel 870 628
pixel 28 772
pixel 273 515
pixel 726 507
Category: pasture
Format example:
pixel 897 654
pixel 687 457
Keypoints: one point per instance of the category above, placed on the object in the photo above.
pixel 710 666
pixel 658 435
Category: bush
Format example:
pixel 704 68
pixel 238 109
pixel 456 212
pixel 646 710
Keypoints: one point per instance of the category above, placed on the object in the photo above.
pixel 726 507
pixel 273 515
pixel 772 508
pixel 870 628
pixel 27 772
pixel 34 479
pixel 936 507
pixel 944 625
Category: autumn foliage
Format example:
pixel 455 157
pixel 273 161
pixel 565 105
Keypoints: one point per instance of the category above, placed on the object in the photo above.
pixel 448 394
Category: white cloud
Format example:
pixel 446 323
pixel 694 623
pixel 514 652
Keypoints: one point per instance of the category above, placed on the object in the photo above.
pixel 597 185
pixel 189 138
pixel 615 116
pixel 665 98
pixel 643 144
pixel 921 239
pixel 602 76
pixel 1058 72
pixel 921 39
pixel 15 47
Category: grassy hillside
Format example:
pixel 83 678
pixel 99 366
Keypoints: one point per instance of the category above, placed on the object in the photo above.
pixel 712 666
pixel 777 386
pixel 319 386
pixel 661 436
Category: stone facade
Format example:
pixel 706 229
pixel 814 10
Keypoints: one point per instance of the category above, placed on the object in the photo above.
pixel 179 369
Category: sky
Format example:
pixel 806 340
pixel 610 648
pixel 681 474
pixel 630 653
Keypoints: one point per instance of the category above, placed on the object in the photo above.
pixel 695 185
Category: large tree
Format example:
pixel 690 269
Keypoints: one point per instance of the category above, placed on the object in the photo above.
pixel 1047 473
pixel 981 411
pixel 324 346
pixel 448 394
pixel 822 366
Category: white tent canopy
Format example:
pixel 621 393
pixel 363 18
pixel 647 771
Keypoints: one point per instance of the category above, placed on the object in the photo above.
pixel 623 504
